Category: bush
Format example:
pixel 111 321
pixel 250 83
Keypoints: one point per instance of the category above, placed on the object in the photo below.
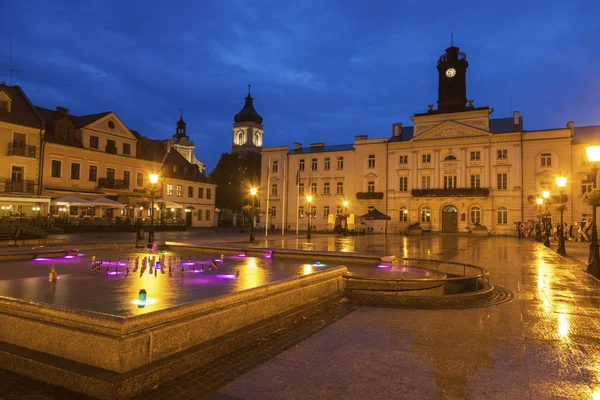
pixel 27 232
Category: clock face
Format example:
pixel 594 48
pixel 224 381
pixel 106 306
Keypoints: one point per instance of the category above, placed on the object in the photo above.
pixel 450 72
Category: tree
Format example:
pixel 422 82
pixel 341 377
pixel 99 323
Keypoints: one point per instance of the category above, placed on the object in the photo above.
pixel 234 175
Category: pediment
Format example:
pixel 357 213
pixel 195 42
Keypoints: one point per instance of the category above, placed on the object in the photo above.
pixel 451 130
pixel 370 175
pixel 118 127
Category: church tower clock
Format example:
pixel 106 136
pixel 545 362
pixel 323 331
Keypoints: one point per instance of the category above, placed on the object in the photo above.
pixel 452 89
pixel 247 128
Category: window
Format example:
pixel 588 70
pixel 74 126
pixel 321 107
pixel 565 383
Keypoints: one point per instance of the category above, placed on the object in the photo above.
pixel 301 212
pixel 199 215
pixel 94 142
pixel 502 216
pixel 502 181
pixel 140 179
pixel 475 215
pixel 313 164
pixel 340 163
pixel 206 215
pixel 301 165
pixel 325 211
pixel 179 190
pixel 425 215
pixel 313 188
pixel 126 177
pixel 273 212
pixel 327 165
pixel 450 158
pixel 339 189
pixel 126 148
pixel 169 189
pixel 4 106
pixel 475 181
pixel 339 210
pixel 426 158
pixel 208 193
pixel 75 170
pixel 546 159
pixel 275 166
pixel 200 193
pixel 111 146
pixel 240 138
pixel 190 191
pixel 586 187
pixel 326 188
pixel 371 186
pixel 301 189
pixel 313 211
pixel 56 170
pixel 475 155
pixel 110 174
pixel 426 182
pixel 403 184
pixel 403 215
pixel 502 154
pixel 274 189
pixel 64 133
pixel 403 159
pixel 186 170
pixel 372 161
pixel 93 173
pixel 450 181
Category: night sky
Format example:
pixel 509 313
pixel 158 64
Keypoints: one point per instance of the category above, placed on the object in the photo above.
pixel 321 71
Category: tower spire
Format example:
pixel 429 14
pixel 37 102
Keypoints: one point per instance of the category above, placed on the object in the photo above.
pixel 249 86
pixel 452 38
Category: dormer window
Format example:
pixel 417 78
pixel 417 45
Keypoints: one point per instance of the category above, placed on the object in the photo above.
pixel 3 106
pixel 64 133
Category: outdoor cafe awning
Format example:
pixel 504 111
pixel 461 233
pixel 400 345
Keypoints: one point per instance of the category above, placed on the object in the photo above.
pixel 71 201
pixel 375 214
pixel 167 203
pixel 106 203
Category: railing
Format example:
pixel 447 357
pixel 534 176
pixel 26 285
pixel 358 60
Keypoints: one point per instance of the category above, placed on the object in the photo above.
pixel 118 184
pixel 11 186
pixel 456 192
pixel 369 195
pixel 21 149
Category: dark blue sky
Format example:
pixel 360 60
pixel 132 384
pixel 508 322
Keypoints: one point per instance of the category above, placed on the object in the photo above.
pixel 320 70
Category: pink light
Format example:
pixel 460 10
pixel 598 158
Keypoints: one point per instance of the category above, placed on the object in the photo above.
pixel 69 257
pixel 188 263
pixel 229 276
pixel 268 255
pixel 384 266
pixel 42 259
pixel 112 273
pixel 217 260
pixel 242 255
pixel 80 255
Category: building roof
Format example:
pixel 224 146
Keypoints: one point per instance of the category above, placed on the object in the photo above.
pixel 22 111
pixel 587 134
pixel 156 150
pixel 407 134
pixel 51 116
pixel 503 125
pixel 248 113
pixel 323 149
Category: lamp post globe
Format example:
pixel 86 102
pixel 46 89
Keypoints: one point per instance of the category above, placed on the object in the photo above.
pixel 345 217
pixel 561 182
pixel 593 154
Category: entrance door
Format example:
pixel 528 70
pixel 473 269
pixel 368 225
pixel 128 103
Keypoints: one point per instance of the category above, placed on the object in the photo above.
pixel 188 218
pixel 449 219
pixel 17 179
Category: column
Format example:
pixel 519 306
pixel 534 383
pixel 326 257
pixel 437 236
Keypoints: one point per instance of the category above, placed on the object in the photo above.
pixel 436 168
pixel 463 167
pixel 487 166
pixel 415 170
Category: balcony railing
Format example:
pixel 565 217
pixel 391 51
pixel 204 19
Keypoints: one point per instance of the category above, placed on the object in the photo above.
pixel 118 184
pixel 369 195
pixel 21 149
pixel 456 192
pixel 19 186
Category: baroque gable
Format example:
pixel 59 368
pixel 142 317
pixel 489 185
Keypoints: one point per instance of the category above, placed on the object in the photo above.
pixel 113 125
pixel 451 130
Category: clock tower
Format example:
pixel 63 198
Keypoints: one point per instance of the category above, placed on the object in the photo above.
pixel 452 88
pixel 247 129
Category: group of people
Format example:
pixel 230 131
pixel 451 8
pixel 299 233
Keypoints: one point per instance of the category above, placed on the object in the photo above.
pixel 153 265
pixel 571 231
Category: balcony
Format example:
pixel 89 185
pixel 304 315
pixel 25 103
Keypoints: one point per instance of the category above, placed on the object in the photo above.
pixel 21 149
pixel 457 192
pixel 19 186
pixel 369 195
pixel 117 184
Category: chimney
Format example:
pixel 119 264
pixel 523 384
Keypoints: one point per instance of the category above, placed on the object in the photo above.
pixel 516 122
pixel 571 124
pixel 360 137
pixel 397 129
pixel 317 145
pixel 61 111
pixel 297 146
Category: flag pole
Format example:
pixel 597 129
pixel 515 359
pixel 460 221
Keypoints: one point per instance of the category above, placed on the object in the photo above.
pixel 297 199
pixel 268 193
pixel 285 181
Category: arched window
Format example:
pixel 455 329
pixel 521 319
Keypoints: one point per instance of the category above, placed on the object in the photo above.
pixel 425 215
pixel 475 215
pixel 502 216
pixel 403 214
pixel 240 138
pixel 257 140
pixel 450 157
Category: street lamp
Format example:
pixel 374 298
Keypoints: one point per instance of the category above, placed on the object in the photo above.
pixel 253 192
pixel 345 217
pixel 538 231
pixel 546 196
pixel 217 211
pixel 593 153
pixel 153 181
pixel 309 200
pixel 561 182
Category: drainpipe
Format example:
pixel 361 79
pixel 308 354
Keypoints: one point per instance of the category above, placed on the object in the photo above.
pixel 522 180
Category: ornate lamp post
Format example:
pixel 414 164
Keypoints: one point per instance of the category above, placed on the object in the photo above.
pixel 153 181
pixel 538 231
pixel 546 196
pixel 253 192
pixel 309 200
pixel 593 153
pixel 561 182
pixel 345 217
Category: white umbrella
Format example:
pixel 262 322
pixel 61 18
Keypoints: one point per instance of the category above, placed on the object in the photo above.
pixel 104 202
pixel 168 203
pixel 71 201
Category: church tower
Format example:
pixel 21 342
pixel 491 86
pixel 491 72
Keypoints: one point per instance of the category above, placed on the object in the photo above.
pixel 182 143
pixel 452 89
pixel 247 131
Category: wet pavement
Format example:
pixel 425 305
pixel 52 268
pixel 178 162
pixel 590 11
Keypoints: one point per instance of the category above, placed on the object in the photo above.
pixel 544 344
